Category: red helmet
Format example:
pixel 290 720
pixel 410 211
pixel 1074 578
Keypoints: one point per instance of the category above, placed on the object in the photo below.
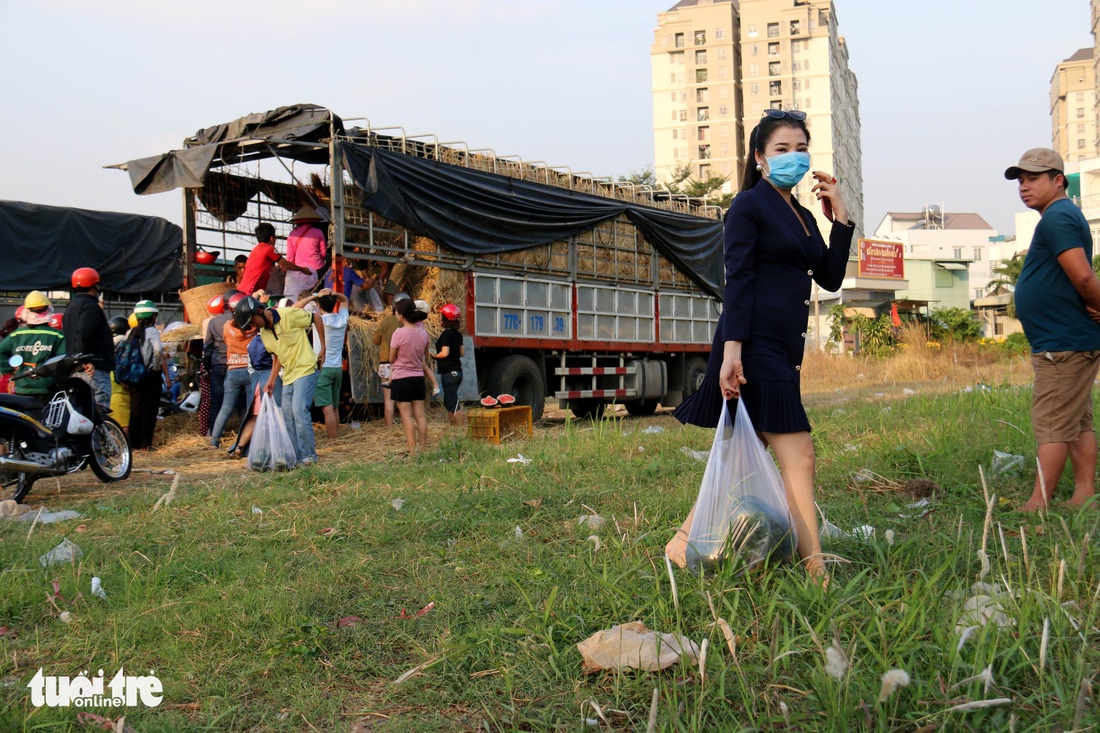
pixel 233 300
pixel 450 312
pixel 21 314
pixel 85 277
pixel 216 305
pixel 55 320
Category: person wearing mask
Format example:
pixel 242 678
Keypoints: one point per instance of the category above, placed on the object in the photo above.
pixel 215 356
pixel 307 250
pixel 381 339
pixel 286 334
pixel 87 332
pixel 35 341
pixel 327 394
pixel 774 251
pixel 145 395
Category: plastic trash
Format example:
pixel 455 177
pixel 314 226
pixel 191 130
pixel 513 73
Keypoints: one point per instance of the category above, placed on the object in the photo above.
pixel 257 510
pixel 49 517
pixel 519 459
pixel 64 552
pixel 634 646
pixel 700 455
pixel 863 532
pixel 829 530
pixel 653 430
pixel 97 588
pixel 908 391
pixel 1006 464
pixel 864 475
pixel 397 504
pixel 518 532
pixel 593 521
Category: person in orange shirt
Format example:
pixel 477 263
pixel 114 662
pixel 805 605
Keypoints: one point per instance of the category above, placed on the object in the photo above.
pixel 237 381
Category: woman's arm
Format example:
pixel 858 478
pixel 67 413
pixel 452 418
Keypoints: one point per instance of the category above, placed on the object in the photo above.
pixel 740 236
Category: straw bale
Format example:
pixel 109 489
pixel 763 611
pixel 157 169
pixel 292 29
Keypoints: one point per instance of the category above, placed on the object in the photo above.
pixel 182 334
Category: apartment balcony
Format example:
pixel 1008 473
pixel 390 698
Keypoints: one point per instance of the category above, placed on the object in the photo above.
pixel 1090 207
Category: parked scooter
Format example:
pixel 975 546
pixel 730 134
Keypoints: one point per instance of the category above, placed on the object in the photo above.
pixel 61 436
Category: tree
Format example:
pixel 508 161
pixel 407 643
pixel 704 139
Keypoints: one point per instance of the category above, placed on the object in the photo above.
pixel 955 324
pixel 1005 274
pixel 642 177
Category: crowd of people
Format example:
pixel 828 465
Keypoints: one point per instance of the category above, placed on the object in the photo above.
pixel 290 347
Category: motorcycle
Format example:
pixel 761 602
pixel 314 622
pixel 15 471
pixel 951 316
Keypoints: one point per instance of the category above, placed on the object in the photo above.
pixel 61 436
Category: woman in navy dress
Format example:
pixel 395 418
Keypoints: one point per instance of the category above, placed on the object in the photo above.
pixel 773 249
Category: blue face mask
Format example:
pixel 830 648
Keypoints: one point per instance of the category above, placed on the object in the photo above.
pixel 787 169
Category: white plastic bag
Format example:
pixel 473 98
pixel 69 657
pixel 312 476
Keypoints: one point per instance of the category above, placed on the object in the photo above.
pixel 271 448
pixel 741 514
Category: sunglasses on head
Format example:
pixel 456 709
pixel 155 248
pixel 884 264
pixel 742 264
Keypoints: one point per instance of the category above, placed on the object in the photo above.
pixel 778 114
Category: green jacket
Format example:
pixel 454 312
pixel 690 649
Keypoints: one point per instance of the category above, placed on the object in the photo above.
pixel 35 344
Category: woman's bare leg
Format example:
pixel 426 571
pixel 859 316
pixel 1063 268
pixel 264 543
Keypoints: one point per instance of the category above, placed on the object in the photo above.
pixel 795 454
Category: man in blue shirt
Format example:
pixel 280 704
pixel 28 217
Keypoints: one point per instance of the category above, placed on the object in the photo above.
pixel 1058 303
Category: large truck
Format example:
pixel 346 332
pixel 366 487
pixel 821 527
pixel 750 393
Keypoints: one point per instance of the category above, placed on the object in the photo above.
pixel 575 288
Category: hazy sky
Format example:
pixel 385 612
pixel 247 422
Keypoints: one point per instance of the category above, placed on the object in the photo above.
pixel 950 92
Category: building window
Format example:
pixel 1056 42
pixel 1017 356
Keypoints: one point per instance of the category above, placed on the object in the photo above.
pixel 1080 112
pixel 796 45
pixel 796 85
pixel 796 27
pixel 702 114
pixel 700 38
pixel 776 104
pixel 1080 128
pixel 702 95
pixel 725 149
pixel 676 57
pixel 796 65
pixel 676 153
pixel 704 153
pixel 775 88
pixel 679 77
pixel 723 130
pixel 806 65
pixel 806 103
pixel 775 68
pixel 998 329
pixel 723 111
pixel 773 30
pixel 719 34
pixel 683 115
pixel 943 278
pixel 723 92
pixel 754 88
pixel 958 253
pixel 725 167
pixel 675 133
pixel 1080 144
pixel 704 171
pixel 721 54
pixel 679 40
pixel 773 48
pixel 721 72
pixel 754 69
pixel 1081 95
pixel 755 107
pixel 977 255
pixel 704 133
pixel 675 115
pixel 805 83
pixel 700 58
pixel 673 97
pixel 753 33
pixel 683 96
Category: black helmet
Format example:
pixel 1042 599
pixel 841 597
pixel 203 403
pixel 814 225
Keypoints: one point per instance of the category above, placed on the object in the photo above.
pixel 119 325
pixel 246 308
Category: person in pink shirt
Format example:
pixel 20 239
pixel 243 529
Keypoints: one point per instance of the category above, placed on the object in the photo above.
pixel 306 248
pixel 408 369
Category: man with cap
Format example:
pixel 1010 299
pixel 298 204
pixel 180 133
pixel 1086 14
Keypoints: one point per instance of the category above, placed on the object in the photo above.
pixel 1058 303
pixel 261 260
pixel 36 341
pixel 306 248
pixel 285 333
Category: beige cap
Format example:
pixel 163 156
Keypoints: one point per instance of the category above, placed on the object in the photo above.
pixel 1036 160
pixel 423 307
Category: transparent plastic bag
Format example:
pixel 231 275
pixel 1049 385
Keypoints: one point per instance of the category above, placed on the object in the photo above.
pixel 270 448
pixel 741 515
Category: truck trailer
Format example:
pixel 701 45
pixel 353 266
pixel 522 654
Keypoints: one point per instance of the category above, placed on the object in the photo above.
pixel 575 288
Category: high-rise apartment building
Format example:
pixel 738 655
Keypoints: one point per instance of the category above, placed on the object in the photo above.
pixel 1072 107
pixel 786 54
pixel 697 122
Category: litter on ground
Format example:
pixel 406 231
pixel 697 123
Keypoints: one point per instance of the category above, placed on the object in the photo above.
pixel 64 552
pixel 634 646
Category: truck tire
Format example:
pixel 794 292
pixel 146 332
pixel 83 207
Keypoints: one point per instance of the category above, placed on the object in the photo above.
pixel 695 368
pixel 518 376
pixel 641 408
pixel 587 409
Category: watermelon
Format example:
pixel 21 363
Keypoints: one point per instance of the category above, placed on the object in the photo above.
pixel 489 402
pixel 505 399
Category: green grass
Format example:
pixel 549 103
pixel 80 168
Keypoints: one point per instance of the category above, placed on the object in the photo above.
pixel 236 611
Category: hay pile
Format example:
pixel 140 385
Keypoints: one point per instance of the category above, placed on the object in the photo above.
pixel 182 334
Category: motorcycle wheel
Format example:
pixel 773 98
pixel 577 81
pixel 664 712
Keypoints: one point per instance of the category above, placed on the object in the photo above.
pixel 22 488
pixel 111 459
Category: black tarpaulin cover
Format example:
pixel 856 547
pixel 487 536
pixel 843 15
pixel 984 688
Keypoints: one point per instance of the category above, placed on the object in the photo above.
pixel 480 213
pixel 42 245
pixel 187 168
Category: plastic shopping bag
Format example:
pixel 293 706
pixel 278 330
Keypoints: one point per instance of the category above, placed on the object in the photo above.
pixel 741 514
pixel 271 448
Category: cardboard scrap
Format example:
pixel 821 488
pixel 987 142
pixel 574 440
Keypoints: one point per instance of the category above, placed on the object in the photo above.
pixel 633 646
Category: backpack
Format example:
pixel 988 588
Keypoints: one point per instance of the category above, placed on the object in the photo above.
pixel 129 365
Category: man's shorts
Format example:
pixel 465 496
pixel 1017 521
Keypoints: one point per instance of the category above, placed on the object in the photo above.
pixel 1061 405
pixel 327 391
